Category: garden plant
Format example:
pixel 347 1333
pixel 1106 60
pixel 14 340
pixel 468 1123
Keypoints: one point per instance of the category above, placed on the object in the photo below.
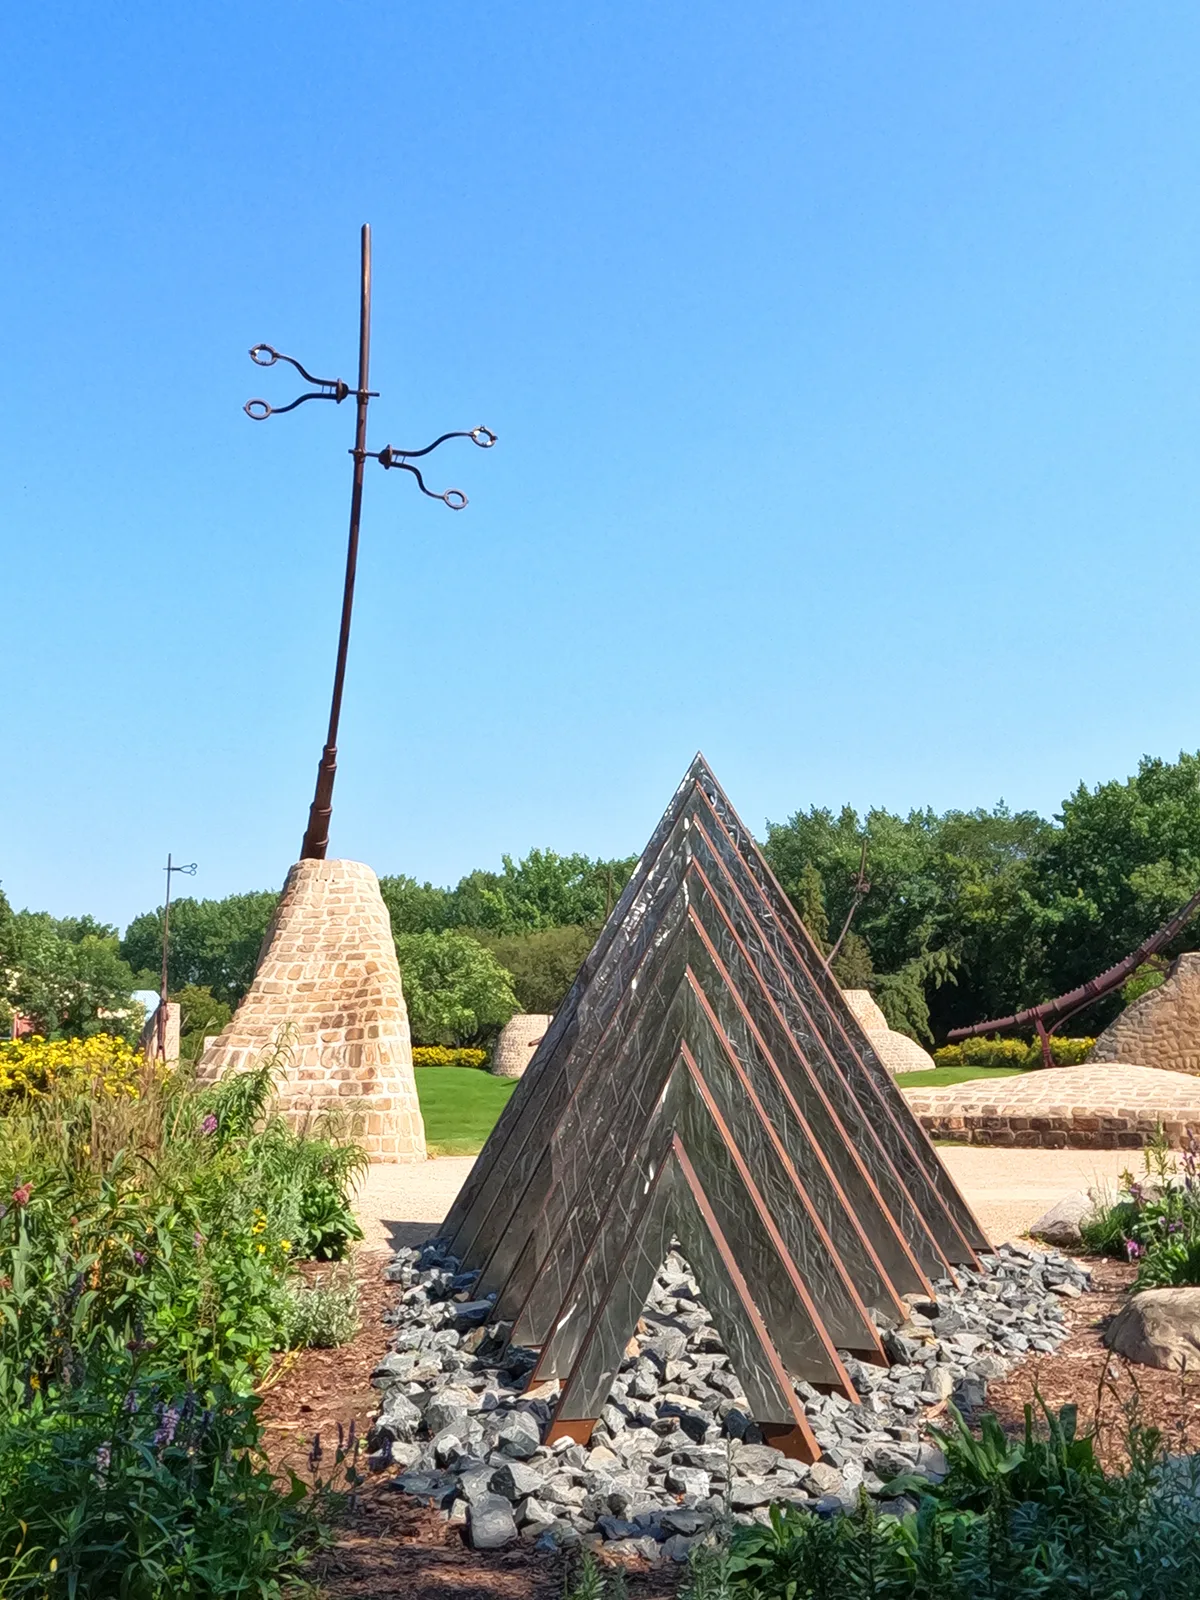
pixel 150 1231
pixel 1032 1516
pixel 1155 1219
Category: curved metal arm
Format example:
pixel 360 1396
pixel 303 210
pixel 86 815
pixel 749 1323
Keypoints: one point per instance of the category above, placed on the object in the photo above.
pixel 265 355
pixel 389 456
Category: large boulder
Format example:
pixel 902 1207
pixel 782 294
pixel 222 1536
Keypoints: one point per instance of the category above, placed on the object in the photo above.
pixel 1159 1328
pixel 1060 1225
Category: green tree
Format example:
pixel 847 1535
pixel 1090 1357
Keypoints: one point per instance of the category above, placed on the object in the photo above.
pixel 457 992
pixel 214 943
pixel 416 907
pixel 809 899
pixel 70 986
pixel 543 890
pixel 542 964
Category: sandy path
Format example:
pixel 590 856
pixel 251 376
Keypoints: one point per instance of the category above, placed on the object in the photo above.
pixel 1008 1189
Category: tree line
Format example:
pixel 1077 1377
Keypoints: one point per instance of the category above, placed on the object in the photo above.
pixel 965 915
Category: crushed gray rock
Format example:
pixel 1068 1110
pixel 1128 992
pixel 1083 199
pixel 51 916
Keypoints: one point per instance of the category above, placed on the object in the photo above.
pixel 675 1449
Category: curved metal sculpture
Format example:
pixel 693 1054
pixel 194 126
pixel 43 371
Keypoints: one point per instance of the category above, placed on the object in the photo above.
pixel 1057 1011
pixel 316 836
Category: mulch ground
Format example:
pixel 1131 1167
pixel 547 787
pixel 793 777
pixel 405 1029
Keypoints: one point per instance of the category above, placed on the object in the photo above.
pixel 1105 1387
pixel 386 1547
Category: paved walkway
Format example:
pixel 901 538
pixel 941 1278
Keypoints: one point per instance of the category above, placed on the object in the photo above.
pixel 1007 1189
pixel 1103 1107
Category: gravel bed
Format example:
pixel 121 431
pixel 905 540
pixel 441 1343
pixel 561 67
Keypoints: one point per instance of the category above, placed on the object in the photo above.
pixel 674 1450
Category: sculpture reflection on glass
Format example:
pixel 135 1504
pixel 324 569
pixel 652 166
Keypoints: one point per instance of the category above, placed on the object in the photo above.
pixel 705 1081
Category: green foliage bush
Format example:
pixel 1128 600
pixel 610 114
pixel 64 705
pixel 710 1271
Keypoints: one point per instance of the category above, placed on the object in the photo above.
pixel 439 1055
pixel 1154 1220
pixel 542 963
pixel 322 1314
pixel 1152 974
pixel 1033 1516
pixel 993 1051
pixel 147 1274
pixel 457 992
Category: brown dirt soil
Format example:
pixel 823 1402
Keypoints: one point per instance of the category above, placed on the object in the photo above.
pixel 386 1547
pixel 1104 1386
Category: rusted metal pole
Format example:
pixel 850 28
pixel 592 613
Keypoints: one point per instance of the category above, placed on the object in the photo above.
pixel 161 1019
pixel 316 836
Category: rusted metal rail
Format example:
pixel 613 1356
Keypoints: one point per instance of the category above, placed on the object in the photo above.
pixel 1057 1011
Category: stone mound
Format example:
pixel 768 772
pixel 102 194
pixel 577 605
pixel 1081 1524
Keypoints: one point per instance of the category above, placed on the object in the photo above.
pixel 1093 1107
pixel 1162 1028
pixel 897 1051
pixel 518 1039
pixel 327 984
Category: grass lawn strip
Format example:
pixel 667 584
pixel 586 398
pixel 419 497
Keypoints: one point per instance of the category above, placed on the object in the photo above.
pixel 460 1106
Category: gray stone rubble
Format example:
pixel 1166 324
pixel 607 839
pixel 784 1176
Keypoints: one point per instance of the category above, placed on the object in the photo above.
pixel 674 1450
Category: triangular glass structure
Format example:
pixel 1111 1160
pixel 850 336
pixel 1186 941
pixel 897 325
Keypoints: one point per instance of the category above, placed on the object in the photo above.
pixel 705 1081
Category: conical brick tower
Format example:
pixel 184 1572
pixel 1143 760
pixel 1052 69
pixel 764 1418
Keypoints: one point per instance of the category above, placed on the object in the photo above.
pixel 328 981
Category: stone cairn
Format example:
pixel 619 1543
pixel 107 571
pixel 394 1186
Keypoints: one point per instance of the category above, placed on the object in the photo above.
pixel 327 988
pixel 519 1038
pixel 1162 1027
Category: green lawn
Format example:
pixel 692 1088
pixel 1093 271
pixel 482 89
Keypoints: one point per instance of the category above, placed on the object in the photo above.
pixel 460 1106
pixel 935 1077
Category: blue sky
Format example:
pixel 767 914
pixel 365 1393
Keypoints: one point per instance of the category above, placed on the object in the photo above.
pixel 844 362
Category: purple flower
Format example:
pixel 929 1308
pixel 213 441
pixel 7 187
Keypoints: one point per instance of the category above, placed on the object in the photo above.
pixel 209 1125
pixel 1133 1249
pixel 165 1431
pixel 140 1257
pixel 103 1459
pixel 1174 1227
pixel 197 1238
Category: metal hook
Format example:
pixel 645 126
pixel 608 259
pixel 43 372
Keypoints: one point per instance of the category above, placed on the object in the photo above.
pixel 266 355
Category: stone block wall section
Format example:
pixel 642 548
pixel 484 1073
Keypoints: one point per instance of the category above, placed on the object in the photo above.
pixel 518 1039
pixel 1112 1107
pixel 1162 1029
pixel 328 977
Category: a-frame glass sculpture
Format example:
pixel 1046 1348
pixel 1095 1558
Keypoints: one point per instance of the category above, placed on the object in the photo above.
pixel 704 1081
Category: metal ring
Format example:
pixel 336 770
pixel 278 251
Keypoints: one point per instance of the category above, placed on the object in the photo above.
pixel 256 355
pixel 454 498
pixel 483 437
pixel 257 410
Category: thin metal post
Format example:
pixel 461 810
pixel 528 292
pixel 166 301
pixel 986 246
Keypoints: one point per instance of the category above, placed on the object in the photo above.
pixel 316 836
pixel 161 1029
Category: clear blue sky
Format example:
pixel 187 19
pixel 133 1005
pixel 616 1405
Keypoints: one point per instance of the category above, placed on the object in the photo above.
pixel 845 364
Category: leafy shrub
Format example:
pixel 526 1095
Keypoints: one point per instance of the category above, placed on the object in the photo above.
pixel 200 1015
pixel 1019 1054
pixel 1154 1221
pixel 1014 1518
pixel 456 990
pixel 322 1315
pixel 543 962
pixel 148 1243
pixel 124 1486
pixel 439 1055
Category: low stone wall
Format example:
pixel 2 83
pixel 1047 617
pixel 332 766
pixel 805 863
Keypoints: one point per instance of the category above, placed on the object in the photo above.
pixel 1162 1029
pixel 518 1040
pixel 897 1051
pixel 1111 1107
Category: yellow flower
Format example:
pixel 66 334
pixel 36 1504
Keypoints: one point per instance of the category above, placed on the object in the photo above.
pixel 285 1244
pixel 262 1249
pixel 53 1563
pixel 35 1382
